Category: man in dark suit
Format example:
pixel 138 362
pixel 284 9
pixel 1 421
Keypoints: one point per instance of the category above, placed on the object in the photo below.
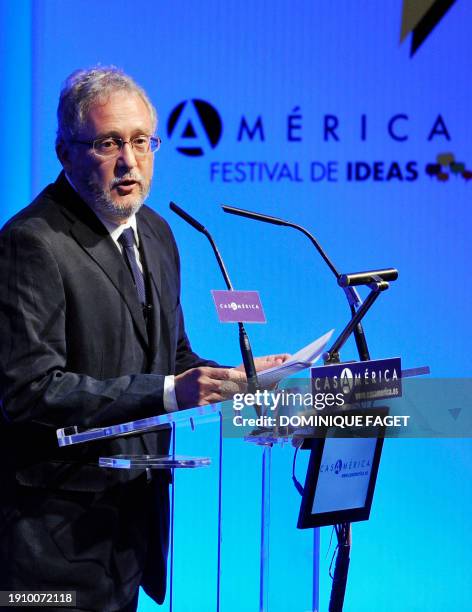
pixel 93 334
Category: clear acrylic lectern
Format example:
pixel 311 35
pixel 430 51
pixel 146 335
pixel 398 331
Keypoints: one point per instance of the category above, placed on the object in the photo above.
pixel 234 544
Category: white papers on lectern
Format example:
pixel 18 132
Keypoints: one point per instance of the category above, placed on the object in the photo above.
pixel 301 360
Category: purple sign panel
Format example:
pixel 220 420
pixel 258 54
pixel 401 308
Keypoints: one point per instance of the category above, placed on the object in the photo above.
pixel 238 306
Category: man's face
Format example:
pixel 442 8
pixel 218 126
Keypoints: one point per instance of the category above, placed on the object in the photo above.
pixel 115 187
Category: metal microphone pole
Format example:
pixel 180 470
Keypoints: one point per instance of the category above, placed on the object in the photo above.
pixel 244 344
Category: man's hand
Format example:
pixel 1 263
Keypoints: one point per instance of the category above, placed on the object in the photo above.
pixel 205 385
pixel 269 361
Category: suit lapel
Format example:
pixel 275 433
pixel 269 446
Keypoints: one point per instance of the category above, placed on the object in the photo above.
pixel 156 265
pixel 94 238
pixel 105 254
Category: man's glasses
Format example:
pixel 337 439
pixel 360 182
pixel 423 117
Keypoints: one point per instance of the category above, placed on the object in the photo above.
pixel 111 146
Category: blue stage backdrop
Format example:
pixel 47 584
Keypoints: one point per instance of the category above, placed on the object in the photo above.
pixel 317 112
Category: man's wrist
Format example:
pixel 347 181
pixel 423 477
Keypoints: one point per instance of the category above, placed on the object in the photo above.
pixel 169 397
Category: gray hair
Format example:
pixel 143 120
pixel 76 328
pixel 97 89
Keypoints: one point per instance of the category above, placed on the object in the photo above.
pixel 83 88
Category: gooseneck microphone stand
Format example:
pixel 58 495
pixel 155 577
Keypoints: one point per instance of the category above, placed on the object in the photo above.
pixel 244 344
pixel 346 281
pixel 344 531
pixel 377 281
pixel 253 387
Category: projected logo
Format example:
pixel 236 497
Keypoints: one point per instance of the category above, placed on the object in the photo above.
pixel 195 127
pixel 447 165
pixel 420 17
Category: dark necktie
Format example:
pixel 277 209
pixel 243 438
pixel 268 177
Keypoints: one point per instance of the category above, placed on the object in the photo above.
pixel 127 241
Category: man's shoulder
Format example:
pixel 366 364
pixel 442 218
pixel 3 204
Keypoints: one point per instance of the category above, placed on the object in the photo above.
pixel 152 217
pixel 152 220
pixel 42 216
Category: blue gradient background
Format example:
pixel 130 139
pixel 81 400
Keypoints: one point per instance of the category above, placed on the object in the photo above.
pixel 266 58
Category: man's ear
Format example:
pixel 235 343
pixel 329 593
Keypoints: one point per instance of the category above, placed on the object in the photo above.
pixel 63 155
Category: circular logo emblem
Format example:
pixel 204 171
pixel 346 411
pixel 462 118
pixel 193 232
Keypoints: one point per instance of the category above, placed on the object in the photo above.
pixel 234 306
pixel 347 381
pixel 195 127
pixel 338 466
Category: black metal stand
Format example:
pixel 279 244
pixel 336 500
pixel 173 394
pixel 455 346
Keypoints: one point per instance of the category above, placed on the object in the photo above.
pixel 332 355
pixel 343 531
pixel 341 568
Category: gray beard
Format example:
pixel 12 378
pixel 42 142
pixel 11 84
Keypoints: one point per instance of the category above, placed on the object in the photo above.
pixel 101 200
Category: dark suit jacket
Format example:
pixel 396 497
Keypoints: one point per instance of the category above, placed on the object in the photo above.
pixel 76 350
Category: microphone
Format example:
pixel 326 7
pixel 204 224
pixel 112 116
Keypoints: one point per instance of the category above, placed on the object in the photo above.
pixel 276 221
pixel 254 215
pixel 244 344
pixel 347 281
pixel 200 228
pixel 344 280
pixel 365 278
pixel 186 217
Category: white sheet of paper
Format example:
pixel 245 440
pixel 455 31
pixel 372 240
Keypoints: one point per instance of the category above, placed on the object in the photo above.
pixel 302 359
